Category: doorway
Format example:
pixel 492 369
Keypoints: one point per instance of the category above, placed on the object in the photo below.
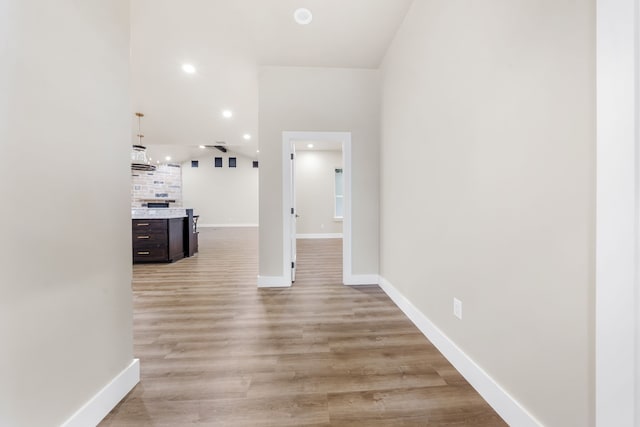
pixel 292 140
pixel 318 202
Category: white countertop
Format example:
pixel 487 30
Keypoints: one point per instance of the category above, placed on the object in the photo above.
pixel 158 213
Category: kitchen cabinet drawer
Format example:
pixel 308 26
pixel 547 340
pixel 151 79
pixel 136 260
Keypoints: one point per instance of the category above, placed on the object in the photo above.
pixel 149 238
pixel 149 225
pixel 150 254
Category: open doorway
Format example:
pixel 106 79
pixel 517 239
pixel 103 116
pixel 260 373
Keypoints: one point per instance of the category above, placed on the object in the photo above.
pixel 321 162
pixel 318 202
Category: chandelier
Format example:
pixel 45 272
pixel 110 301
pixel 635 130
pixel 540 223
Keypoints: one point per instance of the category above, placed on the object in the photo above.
pixel 139 160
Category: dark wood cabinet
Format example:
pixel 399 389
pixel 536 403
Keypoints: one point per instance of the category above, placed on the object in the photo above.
pixel 158 240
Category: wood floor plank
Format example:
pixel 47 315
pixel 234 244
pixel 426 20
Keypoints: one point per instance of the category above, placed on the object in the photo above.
pixel 217 351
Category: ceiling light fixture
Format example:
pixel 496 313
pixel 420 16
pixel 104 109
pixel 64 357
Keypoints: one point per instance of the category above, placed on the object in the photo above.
pixel 303 16
pixel 227 114
pixel 257 151
pixel 202 146
pixel 309 145
pixel 139 161
pixel 246 136
pixel 168 158
pixel 188 68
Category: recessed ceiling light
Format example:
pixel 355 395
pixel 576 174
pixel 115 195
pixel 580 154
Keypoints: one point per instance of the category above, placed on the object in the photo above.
pixel 168 158
pixel 202 146
pixel 227 114
pixel 303 16
pixel 257 151
pixel 246 136
pixel 188 68
pixel 309 145
pixel 158 161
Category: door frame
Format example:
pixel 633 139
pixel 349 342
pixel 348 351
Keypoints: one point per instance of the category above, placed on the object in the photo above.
pixel 617 294
pixel 288 138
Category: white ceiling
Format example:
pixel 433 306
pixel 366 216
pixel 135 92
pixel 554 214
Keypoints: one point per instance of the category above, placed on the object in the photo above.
pixel 227 40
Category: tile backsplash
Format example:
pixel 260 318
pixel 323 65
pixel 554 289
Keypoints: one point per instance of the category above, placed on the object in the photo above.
pixel 165 183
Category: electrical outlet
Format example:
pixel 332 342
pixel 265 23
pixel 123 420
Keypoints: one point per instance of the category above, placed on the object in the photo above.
pixel 457 308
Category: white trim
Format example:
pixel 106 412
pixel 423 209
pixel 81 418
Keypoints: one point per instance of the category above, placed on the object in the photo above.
pixel 288 138
pixel 99 406
pixel 226 225
pixel 617 310
pixel 274 282
pixel 501 401
pixel 362 279
pixel 319 236
pixel 347 214
pixel 287 151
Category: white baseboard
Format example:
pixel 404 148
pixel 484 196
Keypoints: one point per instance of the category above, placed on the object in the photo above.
pixel 274 282
pixel 226 225
pixel 319 236
pixel 361 279
pixel 501 401
pixel 106 399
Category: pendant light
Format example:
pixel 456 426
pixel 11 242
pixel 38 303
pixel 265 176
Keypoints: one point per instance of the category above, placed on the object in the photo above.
pixel 139 161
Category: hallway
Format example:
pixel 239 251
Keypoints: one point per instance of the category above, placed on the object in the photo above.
pixel 215 350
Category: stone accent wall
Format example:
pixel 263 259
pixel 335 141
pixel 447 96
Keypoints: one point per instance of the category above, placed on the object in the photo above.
pixel 165 183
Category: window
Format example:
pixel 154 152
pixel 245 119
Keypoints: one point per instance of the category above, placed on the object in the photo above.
pixel 232 162
pixel 339 192
pixel 255 163
pixel 194 163
pixel 218 162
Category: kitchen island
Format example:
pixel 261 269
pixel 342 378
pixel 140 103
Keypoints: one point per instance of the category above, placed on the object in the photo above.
pixel 162 234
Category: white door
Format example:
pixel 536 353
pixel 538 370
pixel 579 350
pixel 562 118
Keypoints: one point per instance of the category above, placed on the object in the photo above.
pixel 294 213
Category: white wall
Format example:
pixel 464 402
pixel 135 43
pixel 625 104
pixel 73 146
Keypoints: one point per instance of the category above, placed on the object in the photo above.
pixel 315 192
pixel 487 189
pixel 65 262
pixel 221 196
pixel 320 100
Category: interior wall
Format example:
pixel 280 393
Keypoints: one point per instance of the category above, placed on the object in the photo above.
pixel 495 205
pixel 221 196
pixel 315 192
pixel 65 260
pixel 320 100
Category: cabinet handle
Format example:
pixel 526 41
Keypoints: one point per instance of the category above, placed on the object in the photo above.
pixel 143 224
pixel 144 237
pixel 143 253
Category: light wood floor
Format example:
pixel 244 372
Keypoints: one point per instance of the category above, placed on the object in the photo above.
pixel 217 351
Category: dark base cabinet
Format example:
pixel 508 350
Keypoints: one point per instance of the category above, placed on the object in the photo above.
pixel 158 240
